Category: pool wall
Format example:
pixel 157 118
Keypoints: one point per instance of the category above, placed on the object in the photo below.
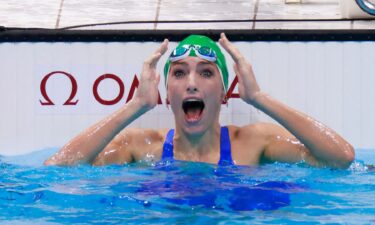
pixel 54 83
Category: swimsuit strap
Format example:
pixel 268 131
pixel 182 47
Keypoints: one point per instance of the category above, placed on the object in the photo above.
pixel 168 146
pixel 225 149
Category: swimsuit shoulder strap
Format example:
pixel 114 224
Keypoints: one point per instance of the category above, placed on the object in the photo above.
pixel 225 148
pixel 168 146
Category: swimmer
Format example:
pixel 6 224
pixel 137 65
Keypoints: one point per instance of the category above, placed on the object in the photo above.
pixel 196 79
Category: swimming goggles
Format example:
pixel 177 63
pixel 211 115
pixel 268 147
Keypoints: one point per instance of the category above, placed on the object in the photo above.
pixel 202 52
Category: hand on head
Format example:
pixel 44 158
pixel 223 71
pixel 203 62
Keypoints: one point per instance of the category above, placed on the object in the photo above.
pixel 147 93
pixel 247 85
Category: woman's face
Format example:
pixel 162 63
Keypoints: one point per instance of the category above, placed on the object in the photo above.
pixel 195 92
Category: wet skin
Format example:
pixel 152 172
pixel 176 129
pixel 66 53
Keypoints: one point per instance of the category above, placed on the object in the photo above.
pixel 197 129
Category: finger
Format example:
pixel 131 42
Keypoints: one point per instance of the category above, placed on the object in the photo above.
pixel 157 78
pixel 154 58
pixel 151 61
pixel 158 53
pixel 230 48
pixel 236 71
pixel 164 46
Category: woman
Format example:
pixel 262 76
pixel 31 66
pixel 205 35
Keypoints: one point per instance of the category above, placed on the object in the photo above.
pixel 196 80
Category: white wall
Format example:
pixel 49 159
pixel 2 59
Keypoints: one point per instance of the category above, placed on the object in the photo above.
pixel 331 81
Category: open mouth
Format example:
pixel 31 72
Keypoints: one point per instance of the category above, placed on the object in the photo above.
pixel 193 109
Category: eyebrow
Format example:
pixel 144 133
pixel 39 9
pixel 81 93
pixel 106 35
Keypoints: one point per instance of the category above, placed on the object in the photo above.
pixel 178 63
pixel 206 63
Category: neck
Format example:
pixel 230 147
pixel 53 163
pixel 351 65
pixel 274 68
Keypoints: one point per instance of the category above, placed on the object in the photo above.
pixel 197 144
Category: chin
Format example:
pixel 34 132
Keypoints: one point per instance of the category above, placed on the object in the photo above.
pixel 189 128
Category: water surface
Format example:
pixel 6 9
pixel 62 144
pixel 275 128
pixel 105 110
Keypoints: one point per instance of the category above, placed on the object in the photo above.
pixel 184 192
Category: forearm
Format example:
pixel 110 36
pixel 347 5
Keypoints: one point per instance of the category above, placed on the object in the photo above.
pixel 87 145
pixel 323 142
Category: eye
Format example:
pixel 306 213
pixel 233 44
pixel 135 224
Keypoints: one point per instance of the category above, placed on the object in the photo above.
pixel 207 73
pixel 178 73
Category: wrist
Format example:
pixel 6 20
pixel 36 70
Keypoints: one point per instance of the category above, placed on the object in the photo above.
pixel 139 106
pixel 258 98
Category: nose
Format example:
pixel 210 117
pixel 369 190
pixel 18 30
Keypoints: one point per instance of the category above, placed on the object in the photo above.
pixel 192 83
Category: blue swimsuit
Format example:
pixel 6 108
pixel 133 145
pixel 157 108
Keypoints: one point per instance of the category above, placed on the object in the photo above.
pixel 211 190
pixel 225 151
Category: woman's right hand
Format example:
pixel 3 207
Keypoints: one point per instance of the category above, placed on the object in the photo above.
pixel 147 93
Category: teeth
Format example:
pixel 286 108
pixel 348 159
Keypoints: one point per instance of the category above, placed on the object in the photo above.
pixel 193 100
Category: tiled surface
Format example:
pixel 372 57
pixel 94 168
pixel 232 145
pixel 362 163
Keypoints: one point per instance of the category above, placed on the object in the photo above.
pixel 205 26
pixel 364 25
pixel 29 13
pixel 96 11
pixel 32 13
pixel 206 10
pixel 304 25
pixel 311 9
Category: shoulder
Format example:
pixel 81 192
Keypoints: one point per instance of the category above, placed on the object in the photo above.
pixel 132 144
pixel 249 142
pixel 147 142
pixel 255 130
pixel 138 137
pixel 139 134
pixel 144 141
pixel 253 135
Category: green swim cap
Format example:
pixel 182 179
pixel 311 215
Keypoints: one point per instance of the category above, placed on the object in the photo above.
pixel 203 41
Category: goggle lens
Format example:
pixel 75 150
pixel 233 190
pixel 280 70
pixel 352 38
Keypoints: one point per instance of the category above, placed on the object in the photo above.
pixel 206 51
pixel 179 52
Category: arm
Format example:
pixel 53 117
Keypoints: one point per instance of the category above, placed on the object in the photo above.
pixel 324 144
pixel 85 147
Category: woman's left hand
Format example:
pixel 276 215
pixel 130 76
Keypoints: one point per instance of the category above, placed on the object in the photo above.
pixel 247 85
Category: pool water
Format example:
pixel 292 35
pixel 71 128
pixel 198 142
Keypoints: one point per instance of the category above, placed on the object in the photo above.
pixel 184 193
